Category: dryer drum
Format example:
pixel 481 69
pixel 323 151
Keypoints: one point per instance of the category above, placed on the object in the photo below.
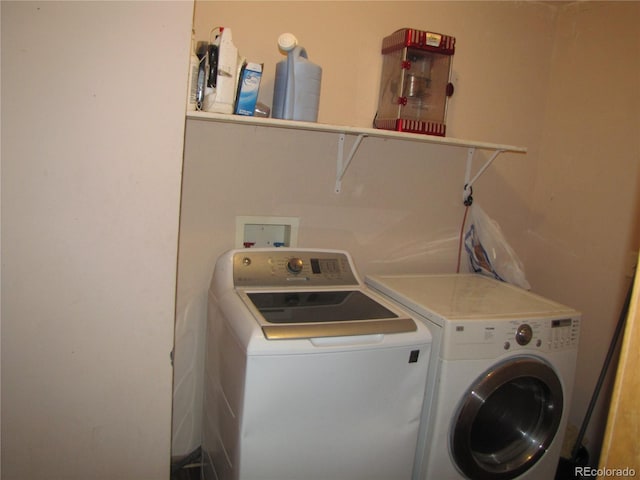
pixel 507 419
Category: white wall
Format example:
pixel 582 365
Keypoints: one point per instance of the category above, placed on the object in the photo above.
pixel 92 139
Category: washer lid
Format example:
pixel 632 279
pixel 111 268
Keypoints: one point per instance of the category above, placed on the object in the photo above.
pixel 465 296
pixel 324 313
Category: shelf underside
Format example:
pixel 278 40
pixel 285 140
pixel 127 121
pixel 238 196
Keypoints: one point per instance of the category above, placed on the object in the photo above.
pixel 357 131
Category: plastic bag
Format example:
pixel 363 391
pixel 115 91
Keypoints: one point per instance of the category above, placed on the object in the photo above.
pixel 489 252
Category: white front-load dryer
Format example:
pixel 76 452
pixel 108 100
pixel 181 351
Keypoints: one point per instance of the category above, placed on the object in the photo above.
pixel 501 376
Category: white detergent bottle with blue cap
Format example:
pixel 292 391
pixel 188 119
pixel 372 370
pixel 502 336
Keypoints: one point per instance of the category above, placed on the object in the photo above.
pixel 296 95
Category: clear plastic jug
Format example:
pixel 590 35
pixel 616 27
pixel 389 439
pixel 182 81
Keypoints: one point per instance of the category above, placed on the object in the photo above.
pixel 296 94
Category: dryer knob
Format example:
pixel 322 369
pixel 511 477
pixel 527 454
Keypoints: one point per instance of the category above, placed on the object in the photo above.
pixel 524 334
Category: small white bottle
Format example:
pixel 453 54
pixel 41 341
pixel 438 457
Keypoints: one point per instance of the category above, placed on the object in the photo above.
pixel 194 64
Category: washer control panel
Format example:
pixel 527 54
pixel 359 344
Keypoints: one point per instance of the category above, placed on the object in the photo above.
pixel 284 268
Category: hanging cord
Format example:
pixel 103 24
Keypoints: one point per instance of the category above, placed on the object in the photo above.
pixel 461 239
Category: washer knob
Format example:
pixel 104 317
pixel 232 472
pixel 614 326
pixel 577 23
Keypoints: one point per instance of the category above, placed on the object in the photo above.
pixel 524 334
pixel 294 265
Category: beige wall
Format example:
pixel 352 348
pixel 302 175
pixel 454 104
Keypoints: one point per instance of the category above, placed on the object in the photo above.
pixel 400 209
pixel 583 229
pixel 92 135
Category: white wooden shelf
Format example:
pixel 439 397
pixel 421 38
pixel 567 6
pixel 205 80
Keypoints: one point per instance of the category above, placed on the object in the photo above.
pixel 361 133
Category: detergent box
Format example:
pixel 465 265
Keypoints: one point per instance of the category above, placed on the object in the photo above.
pixel 248 87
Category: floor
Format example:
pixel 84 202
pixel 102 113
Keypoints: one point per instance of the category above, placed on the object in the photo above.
pixel 190 473
pixel 187 468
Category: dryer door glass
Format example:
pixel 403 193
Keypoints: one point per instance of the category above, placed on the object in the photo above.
pixel 507 420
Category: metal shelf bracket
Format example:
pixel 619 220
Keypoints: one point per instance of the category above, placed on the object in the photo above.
pixel 467 199
pixel 342 164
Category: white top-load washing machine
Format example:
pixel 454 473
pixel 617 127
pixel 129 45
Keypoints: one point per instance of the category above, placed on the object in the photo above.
pixel 500 380
pixel 308 374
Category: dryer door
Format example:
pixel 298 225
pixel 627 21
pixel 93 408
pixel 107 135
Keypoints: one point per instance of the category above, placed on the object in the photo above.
pixel 507 419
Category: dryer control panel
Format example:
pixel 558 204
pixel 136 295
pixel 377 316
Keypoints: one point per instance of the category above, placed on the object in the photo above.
pixel 486 339
pixel 548 335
